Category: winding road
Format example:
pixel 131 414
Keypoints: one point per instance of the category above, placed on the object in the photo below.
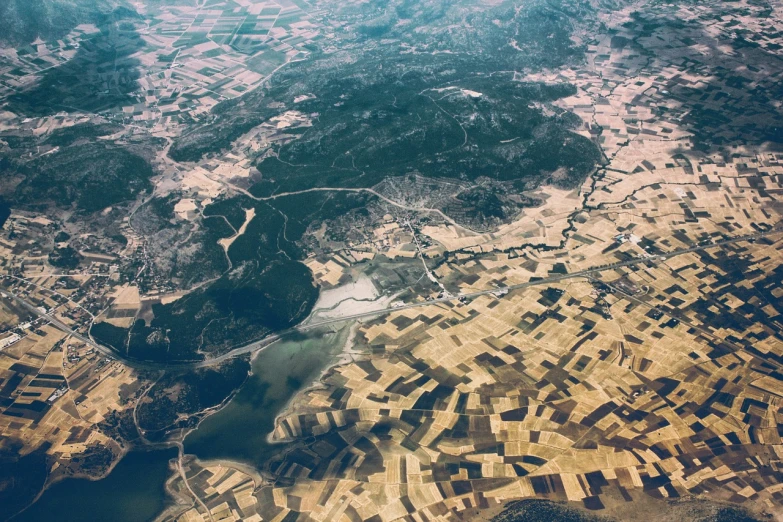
pixel 373 192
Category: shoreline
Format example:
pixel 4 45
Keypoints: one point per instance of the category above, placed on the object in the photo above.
pixel 338 359
pixel 342 353
pixel 124 452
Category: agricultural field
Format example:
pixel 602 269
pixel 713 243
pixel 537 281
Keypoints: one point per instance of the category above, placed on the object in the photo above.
pixel 391 261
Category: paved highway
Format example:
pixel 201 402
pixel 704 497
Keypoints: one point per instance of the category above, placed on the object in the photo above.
pixel 262 343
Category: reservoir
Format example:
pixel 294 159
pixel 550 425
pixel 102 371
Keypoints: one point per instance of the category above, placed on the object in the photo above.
pixel 135 489
pixel 239 431
pixel 133 492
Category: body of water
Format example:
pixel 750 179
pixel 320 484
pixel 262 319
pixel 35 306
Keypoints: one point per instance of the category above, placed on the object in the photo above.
pixel 133 492
pixel 239 431
pixel 135 489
